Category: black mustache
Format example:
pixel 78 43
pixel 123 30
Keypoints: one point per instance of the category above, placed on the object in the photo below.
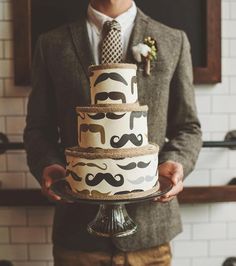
pixel 133 81
pixel 114 95
pixel 113 75
pixel 73 175
pixel 136 140
pixel 127 191
pixel 91 165
pixel 136 114
pixel 99 177
pixel 133 165
pixel 93 128
pixel 112 116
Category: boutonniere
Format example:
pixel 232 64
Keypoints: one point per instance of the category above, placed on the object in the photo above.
pixel 146 52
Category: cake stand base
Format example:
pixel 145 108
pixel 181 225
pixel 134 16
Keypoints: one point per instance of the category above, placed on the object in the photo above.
pixel 112 219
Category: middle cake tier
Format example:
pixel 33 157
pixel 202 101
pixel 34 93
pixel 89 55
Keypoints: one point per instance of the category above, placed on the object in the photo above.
pixel 111 127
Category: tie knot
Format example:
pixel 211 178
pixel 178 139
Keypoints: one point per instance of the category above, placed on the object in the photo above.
pixel 111 25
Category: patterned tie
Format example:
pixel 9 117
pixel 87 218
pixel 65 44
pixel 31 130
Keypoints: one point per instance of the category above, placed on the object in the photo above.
pixel 111 46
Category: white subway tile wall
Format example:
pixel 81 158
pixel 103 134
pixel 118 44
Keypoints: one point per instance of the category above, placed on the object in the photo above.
pixel 2 124
pixel 207 261
pixel 1 11
pixel 4 235
pixel 31 263
pixel 14 91
pixel 12 180
pixel 1 48
pixel 1 88
pixel 209 234
pixel 6 67
pixel 31 182
pixel 6 30
pixel 232 85
pixel 14 252
pixel 231 230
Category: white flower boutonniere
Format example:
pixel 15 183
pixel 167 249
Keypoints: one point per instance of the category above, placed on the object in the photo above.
pixel 146 52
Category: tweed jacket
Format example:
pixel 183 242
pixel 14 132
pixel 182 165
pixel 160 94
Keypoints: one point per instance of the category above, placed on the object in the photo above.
pixel 60 83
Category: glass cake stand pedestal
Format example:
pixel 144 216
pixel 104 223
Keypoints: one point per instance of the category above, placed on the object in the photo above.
pixel 112 219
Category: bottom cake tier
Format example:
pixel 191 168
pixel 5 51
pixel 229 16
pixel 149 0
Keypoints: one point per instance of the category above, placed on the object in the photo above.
pixel 113 174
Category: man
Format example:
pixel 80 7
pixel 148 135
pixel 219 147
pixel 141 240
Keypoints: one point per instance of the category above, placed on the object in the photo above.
pixel 60 83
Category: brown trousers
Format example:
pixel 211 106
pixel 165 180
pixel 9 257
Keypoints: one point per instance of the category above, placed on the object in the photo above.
pixel 157 256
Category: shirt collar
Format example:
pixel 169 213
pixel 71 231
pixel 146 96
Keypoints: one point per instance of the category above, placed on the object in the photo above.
pixel 97 19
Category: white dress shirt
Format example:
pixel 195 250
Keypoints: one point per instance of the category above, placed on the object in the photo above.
pixel 95 21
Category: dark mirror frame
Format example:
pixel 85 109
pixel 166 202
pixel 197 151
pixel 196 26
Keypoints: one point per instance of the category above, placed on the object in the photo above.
pixel 211 73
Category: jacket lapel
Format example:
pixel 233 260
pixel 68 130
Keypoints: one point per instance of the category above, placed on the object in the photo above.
pixel 138 34
pixel 81 42
pixel 84 53
pixel 140 31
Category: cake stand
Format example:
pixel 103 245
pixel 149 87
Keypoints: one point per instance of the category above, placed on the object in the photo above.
pixel 112 219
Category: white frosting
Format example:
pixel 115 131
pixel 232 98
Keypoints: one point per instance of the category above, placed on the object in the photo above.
pixel 110 85
pixel 119 130
pixel 107 132
pixel 137 173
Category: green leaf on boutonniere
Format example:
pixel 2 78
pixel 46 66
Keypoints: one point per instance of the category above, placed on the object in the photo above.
pixel 149 41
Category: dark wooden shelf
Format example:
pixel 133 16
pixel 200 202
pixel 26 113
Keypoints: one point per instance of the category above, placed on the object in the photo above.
pixel 34 197
pixel 208 194
pixel 23 197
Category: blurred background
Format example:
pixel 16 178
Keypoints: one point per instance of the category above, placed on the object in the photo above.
pixel 209 235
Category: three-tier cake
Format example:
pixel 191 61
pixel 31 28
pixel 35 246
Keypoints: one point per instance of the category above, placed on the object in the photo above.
pixel 113 159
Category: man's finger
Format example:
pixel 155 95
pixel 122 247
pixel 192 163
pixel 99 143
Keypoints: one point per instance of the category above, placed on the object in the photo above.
pixel 176 178
pixel 171 194
pixel 50 194
pixel 47 182
pixel 175 190
pixel 163 200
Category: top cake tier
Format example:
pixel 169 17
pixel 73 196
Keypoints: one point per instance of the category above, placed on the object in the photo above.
pixel 113 84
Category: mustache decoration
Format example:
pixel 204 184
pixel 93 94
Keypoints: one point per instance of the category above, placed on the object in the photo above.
pixel 133 165
pixel 133 81
pixel 91 165
pixel 136 114
pixel 127 191
pixel 141 179
pixel 82 115
pixel 73 175
pixel 94 129
pixel 113 95
pixel 136 140
pixel 112 116
pixel 107 176
pixel 93 193
pixel 113 75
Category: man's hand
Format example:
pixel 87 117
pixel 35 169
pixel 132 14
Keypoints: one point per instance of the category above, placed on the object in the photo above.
pixel 52 173
pixel 173 171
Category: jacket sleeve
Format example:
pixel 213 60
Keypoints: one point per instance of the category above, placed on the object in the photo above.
pixel 183 129
pixel 41 131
